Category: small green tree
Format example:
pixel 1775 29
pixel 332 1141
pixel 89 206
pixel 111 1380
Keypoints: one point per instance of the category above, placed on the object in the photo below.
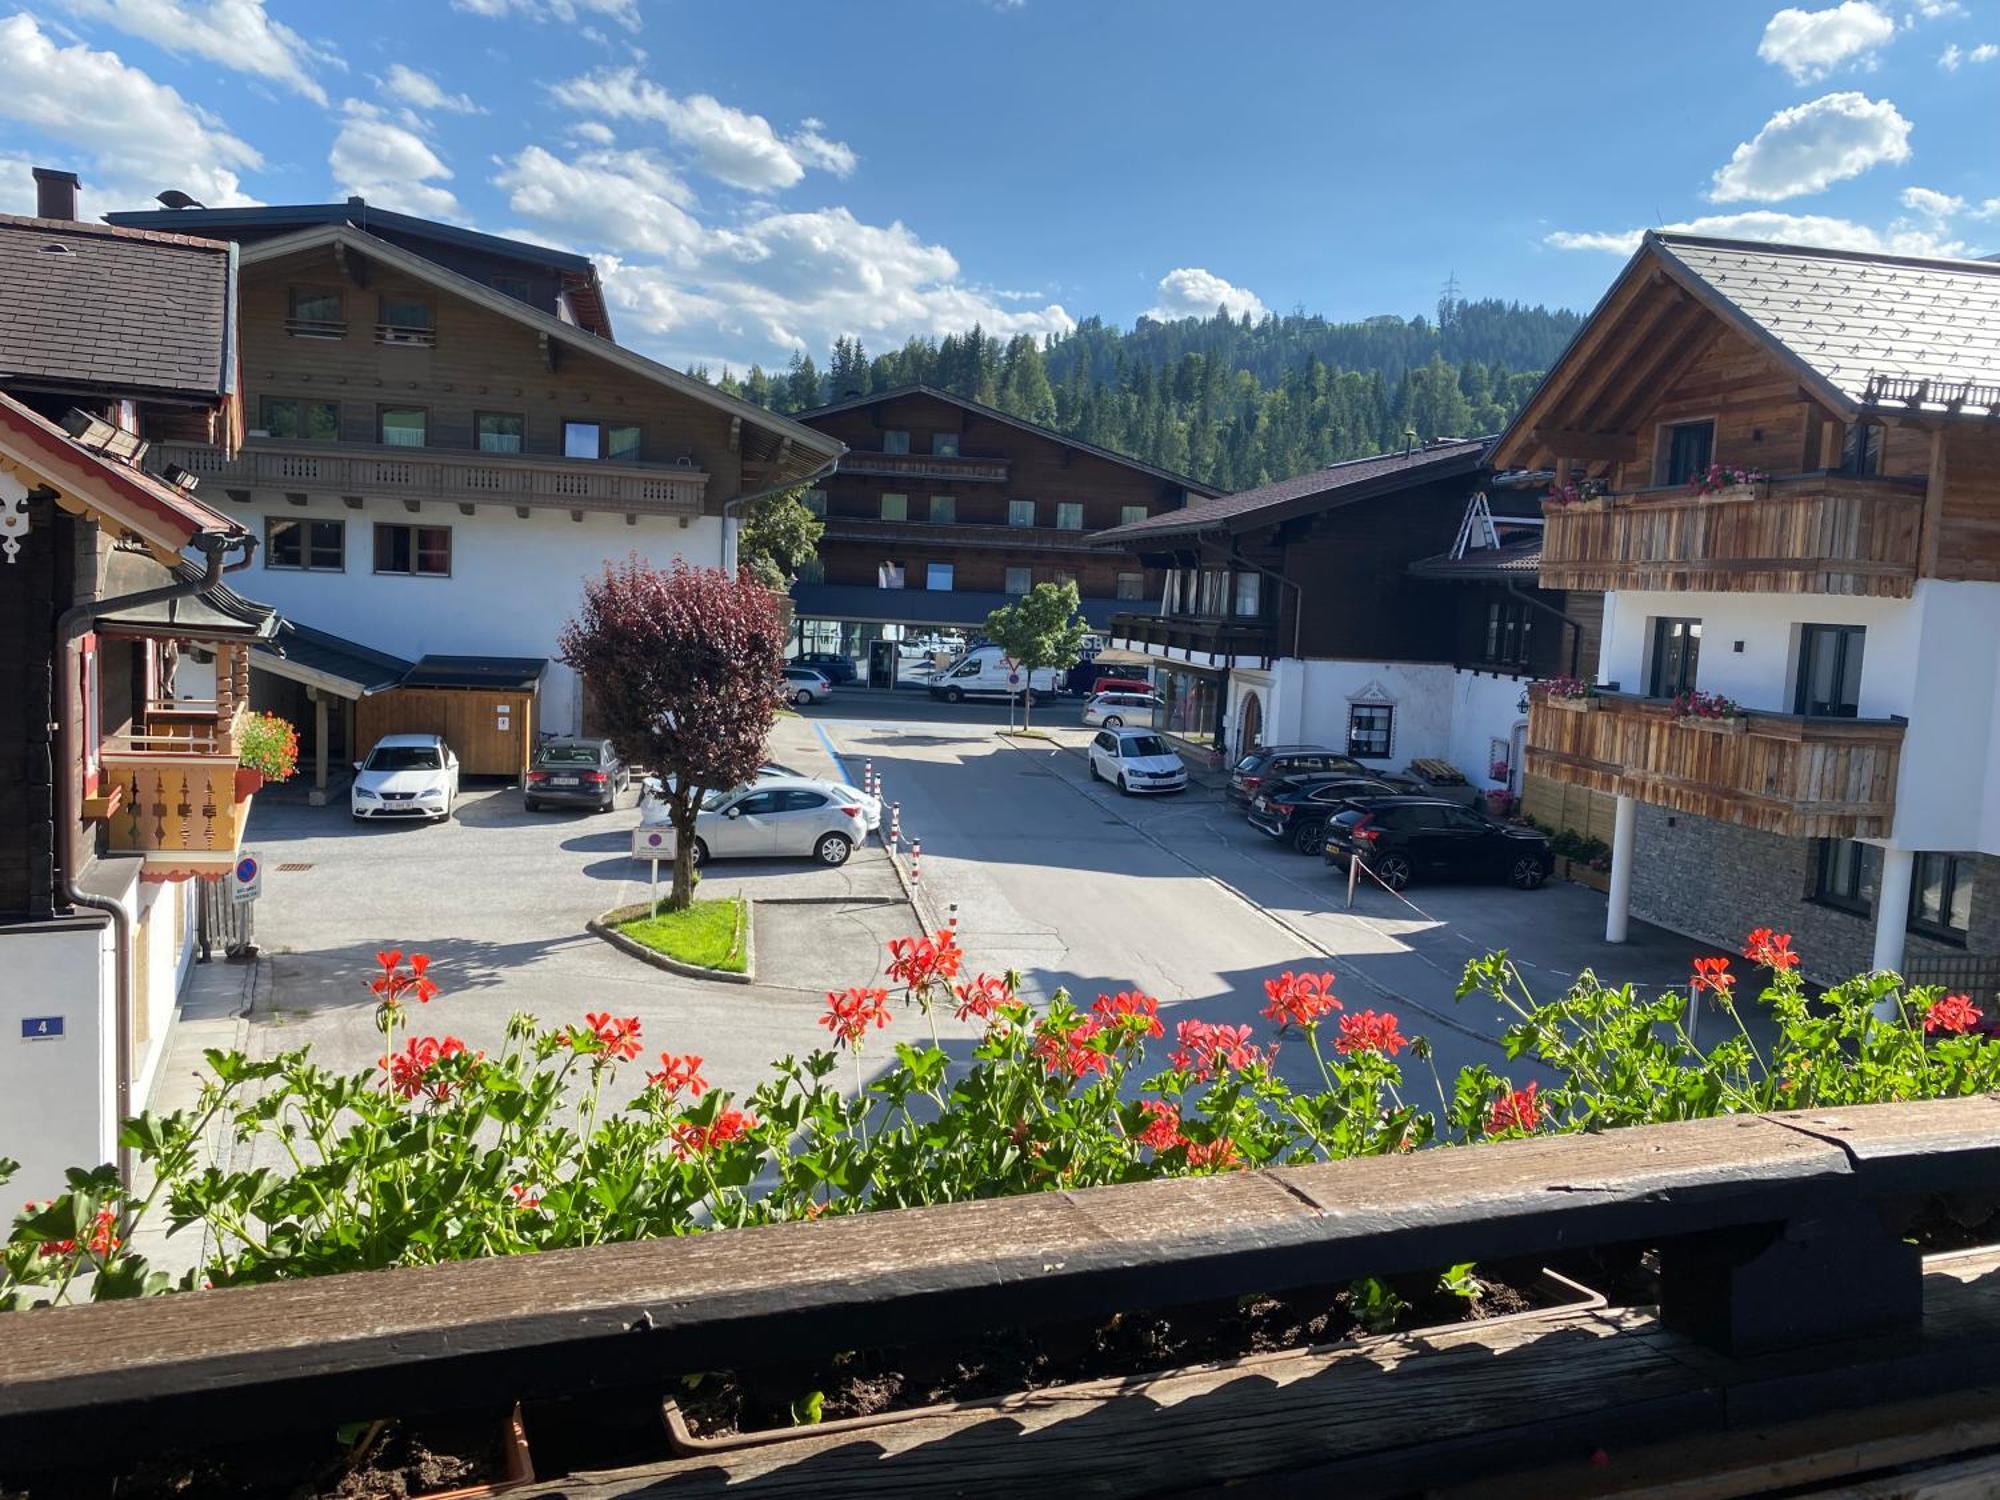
pixel 1044 630
pixel 779 536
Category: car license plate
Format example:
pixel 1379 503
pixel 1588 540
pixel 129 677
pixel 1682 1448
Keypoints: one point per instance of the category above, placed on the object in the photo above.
pixel 1263 804
pixel 562 781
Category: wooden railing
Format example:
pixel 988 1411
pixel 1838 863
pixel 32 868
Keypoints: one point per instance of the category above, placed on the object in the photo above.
pixel 180 810
pixel 1808 534
pixel 186 725
pixel 995 537
pixel 1189 638
pixel 379 472
pixel 1785 1291
pixel 1782 773
pixel 925 466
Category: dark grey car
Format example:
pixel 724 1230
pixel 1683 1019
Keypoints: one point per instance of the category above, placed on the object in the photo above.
pixel 576 773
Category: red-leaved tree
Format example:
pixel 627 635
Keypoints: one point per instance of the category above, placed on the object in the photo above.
pixel 684 667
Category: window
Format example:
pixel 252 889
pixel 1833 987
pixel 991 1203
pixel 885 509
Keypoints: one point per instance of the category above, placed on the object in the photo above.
pixel 1941 897
pixel 1861 453
pixel 401 426
pixel 404 320
pixel 895 507
pixel 303 421
pixel 499 432
pixel 1370 730
pixel 1676 653
pixel 1507 625
pixel 1020 512
pixel 1069 515
pixel 1840 875
pixel 596 440
pixel 421 551
pixel 1127 514
pixel 889 575
pixel 798 799
pixel 757 805
pixel 894 440
pixel 937 576
pixel 1829 671
pixel 314 546
pixel 815 501
pixel 1131 586
pixel 944 510
pixel 315 314
pixel 1061 576
pixel 517 287
pixel 1020 580
pixel 1686 450
pixel 1249 595
pixel 944 445
pixel 1214 591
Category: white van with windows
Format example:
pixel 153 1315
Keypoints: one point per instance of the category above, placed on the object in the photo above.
pixel 985 672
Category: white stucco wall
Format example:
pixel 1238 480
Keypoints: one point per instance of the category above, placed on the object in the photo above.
pixel 1485 708
pixel 56 1098
pixel 513 582
pixel 166 928
pixel 1933 658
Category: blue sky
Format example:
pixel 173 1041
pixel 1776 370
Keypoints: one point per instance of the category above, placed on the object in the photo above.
pixel 759 175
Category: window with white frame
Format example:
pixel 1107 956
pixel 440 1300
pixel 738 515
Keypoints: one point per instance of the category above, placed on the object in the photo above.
pixel 1020 580
pixel 1371 730
pixel 895 507
pixel 944 510
pixel 1127 514
pixel 937 576
pixel 1069 515
pixel 1020 512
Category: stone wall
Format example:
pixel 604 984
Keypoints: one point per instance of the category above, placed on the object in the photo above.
pixel 1715 881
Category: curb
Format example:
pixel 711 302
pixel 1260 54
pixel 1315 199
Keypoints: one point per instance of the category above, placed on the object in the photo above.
pixel 602 926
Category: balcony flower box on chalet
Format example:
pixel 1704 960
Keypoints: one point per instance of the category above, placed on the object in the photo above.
pixel 1701 722
pixel 1806 534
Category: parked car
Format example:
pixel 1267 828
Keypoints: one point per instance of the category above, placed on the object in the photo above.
pixel 805 685
pixel 1136 760
pixel 983 673
pixel 1270 763
pixel 586 773
pixel 779 816
pixel 1299 810
pixel 1088 677
pixel 835 668
pixel 405 776
pixel 1115 710
pixel 1428 838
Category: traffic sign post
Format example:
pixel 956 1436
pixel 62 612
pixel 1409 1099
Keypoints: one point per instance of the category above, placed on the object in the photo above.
pixel 649 842
pixel 246 879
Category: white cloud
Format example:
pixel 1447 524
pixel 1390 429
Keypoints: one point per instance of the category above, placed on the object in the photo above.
pixel 1192 292
pixel 1931 203
pixel 388 165
pixel 1990 209
pixel 624 12
pixel 1809 44
pixel 140 134
pixel 627 201
pixel 235 33
pixel 423 92
pixel 1809 147
pixel 1954 56
pixel 729 144
pixel 1900 238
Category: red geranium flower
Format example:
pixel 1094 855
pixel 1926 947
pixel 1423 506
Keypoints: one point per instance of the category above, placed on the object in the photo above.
pixel 1299 999
pixel 1162 1130
pixel 523 1199
pixel 394 983
pixel 678 1073
pixel 1712 974
pixel 1518 1110
pixel 730 1125
pixel 1206 1049
pixel 1219 1154
pixel 849 1016
pixel 1068 1054
pixel 619 1036
pixel 1369 1031
pixel 1955 1014
pixel 1771 949
pixel 980 996
pixel 916 962
pixel 410 1070
pixel 1143 1010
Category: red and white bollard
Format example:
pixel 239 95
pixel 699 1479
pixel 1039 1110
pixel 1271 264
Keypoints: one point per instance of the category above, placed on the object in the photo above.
pixel 895 825
pixel 916 860
pixel 951 921
pixel 868 777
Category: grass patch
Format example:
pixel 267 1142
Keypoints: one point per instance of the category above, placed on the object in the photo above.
pixel 708 934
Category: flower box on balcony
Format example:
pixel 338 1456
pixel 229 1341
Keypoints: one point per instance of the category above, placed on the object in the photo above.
pixel 1572 705
pixel 248 783
pixel 1736 725
pixel 101 807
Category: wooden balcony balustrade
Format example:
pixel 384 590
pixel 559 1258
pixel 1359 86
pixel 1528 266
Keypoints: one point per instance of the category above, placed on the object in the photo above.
pixel 1782 773
pixel 1797 1336
pixel 1201 640
pixel 181 810
pixel 925 466
pixel 376 471
pixel 990 537
pixel 1806 534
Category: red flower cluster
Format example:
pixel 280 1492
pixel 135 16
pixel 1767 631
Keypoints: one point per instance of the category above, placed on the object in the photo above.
pixel 1219 1153
pixel 1771 949
pixel 101 1241
pixel 1299 999
pixel 1162 1131
pixel 1519 1110
pixel 730 1125
pixel 523 1199
pixel 410 1070
pixel 1370 1031
pixel 1143 1010
pixel 678 1073
pixel 619 1036
pixel 1712 974
pixel 396 984
pixel 850 1015
pixel 1955 1014
pixel 1068 1054
pixel 980 997
pixel 1205 1049
pixel 915 962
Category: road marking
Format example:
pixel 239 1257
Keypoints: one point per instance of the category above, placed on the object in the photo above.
pixel 827 740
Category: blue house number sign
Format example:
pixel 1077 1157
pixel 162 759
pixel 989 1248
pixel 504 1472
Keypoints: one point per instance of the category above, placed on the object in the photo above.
pixel 41 1028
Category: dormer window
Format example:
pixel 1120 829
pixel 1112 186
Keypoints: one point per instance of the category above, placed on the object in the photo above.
pixel 315 313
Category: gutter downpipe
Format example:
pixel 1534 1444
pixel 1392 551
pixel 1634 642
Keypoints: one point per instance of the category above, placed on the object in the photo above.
pixel 731 506
pixel 71 626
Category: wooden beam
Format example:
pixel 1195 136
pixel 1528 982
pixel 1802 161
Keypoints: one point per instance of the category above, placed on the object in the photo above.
pixel 352 502
pixel 1661 367
pixel 576 515
pixel 521 511
pixel 548 348
pixel 353 266
pixel 1932 535
pixel 1614 447
pixel 631 518
pixel 1647 327
pixel 466 508
pixel 1832 443
pixel 735 434
pixel 412 506
pixel 295 497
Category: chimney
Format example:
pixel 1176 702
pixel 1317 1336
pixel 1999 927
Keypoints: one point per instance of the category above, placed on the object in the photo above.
pixel 55 193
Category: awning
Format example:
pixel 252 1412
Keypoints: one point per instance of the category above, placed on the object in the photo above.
pixel 858 602
pixel 217 613
pixel 496 674
pixel 344 668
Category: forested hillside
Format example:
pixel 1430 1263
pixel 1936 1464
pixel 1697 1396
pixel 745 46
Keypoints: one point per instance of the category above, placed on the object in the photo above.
pixel 1231 402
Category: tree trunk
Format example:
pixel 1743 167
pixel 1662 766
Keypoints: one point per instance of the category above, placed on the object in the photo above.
pixel 1027 696
pixel 684 810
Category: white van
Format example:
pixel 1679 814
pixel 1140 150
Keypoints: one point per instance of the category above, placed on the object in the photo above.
pixel 983 672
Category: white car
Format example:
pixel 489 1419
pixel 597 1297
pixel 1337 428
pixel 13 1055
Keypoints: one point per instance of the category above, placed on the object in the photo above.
pixel 781 815
pixel 1116 710
pixel 405 776
pixel 1136 760
pixel 805 685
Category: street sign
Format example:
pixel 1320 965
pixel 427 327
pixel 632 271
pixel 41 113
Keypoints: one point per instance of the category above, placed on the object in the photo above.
pixel 652 841
pixel 41 1028
pixel 246 880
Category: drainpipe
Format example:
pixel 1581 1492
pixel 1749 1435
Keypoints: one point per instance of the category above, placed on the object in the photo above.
pixel 731 506
pixel 71 626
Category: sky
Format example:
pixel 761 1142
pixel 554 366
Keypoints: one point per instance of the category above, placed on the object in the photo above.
pixel 760 176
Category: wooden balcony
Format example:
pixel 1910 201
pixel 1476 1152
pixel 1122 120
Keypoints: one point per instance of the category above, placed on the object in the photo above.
pixel 925 466
pixel 1781 773
pixel 869 529
pixel 1807 534
pixel 181 810
pixel 374 472
pixel 1198 640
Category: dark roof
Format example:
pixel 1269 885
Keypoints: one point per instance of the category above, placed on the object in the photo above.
pixel 857 601
pixel 995 414
pixel 217 613
pixel 360 667
pixel 1519 558
pixel 1316 489
pixel 497 673
pixel 121 309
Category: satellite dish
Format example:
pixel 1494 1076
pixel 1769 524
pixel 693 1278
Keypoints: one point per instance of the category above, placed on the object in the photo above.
pixel 175 198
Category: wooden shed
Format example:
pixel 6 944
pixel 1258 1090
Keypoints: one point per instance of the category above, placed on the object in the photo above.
pixel 484 706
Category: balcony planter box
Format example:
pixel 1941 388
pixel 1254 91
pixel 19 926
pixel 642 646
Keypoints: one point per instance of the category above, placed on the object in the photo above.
pixel 1738 492
pixel 1556 1295
pixel 1572 705
pixel 248 783
pixel 1736 725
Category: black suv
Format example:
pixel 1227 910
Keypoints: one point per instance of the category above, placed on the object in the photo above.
pixel 1298 810
pixel 1272 763
pixel 1427 838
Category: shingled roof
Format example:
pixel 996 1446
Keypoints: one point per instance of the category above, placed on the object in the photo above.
pixel 122 310
pixel 1316 489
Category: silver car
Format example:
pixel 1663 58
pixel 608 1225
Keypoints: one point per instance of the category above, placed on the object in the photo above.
pixel 780 815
